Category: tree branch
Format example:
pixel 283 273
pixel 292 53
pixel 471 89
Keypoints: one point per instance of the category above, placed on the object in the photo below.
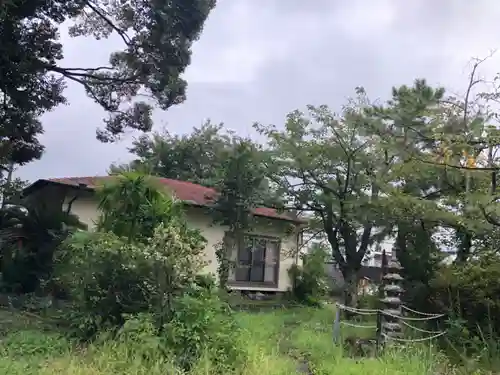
pixel 87 73
pixel 126 39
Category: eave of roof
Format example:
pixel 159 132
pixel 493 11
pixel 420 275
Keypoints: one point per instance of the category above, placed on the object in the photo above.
pixel 189 193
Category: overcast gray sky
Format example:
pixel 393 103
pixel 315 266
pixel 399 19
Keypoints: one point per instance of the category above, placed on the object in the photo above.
pixel 257 60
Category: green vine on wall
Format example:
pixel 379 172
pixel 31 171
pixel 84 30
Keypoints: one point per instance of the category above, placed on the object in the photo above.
pixel 223 264
pixel 240 187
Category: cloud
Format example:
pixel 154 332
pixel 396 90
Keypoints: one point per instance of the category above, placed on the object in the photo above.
pixel 359 18
pixel 257 63
pixel 242 38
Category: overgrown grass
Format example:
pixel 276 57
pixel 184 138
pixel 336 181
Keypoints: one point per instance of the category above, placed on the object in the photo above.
pixel 292 341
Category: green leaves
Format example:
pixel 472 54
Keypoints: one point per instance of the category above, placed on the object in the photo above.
pixel 29 237
pixel 142 256
pixel 156 39
pixel 241 186
pixel 132 205
pixel 326 164
pixel 310 282
pixel 364 171
pixel 196 157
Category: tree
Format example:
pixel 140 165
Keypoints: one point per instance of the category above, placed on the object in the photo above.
pixel 474 154
pixel 197 157
pixel 445 146
pixel 241 186
pixel 19 130
pixel 133 205
pixel 29 236
pixel 420 257
pixel 11 190
pixel 413 126
pixel 351 171
pixel 326 164
pixel 141 258
pixel 157 38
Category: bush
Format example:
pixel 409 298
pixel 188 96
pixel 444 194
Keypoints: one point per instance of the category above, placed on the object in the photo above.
pixel 203 324
pixel 103 276
pixel 29 236
pixel 138 278
pixel 310 282
pixel 368 301
pixel 109 277
pixel 134 205
pixel 150 294
pixel 469 294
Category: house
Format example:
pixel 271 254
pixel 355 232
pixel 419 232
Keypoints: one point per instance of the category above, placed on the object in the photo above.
pixel 262 265
pixel 369 277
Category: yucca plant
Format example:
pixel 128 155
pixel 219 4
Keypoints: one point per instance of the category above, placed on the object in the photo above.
pixel 132 205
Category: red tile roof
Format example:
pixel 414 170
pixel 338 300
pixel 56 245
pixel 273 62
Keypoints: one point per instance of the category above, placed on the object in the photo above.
pixel 186 191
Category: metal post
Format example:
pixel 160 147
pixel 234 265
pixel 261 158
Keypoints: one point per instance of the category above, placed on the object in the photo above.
pixel 336 326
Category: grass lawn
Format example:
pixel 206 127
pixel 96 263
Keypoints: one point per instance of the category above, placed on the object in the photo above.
pixel 293 341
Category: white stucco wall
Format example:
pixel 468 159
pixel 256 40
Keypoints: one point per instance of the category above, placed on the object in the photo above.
pixel 85 207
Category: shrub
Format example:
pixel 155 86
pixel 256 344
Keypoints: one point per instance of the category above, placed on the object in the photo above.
pixel 368 301
pixel 109 277
pixel 139 277
pixel 203 325
pixel 310 282
pixel 29 235
pixel 133 205
pixel 140 335
pixel 469 294
pixel 102 274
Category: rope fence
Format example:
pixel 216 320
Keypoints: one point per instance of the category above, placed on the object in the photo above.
pixel 412 340
pixel 380 314
pixel 393 318
pixel 357 325
pixel 419 329
pixel 421 313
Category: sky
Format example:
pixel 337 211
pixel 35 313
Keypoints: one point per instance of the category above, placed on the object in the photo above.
pixel 258 60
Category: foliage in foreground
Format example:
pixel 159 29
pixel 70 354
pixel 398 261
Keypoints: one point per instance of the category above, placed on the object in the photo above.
pixel 468 294
pixel 310 281
pixel 274 343
pixel 29 236
pixel 139 273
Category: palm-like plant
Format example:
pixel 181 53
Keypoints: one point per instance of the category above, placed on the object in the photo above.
pixel 29 236
pixel 132 205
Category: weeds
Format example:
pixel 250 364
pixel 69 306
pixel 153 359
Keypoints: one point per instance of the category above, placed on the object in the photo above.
pixel 278 342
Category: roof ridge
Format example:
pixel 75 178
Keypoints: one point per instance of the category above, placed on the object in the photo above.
pixel 184 190
pixel 156 177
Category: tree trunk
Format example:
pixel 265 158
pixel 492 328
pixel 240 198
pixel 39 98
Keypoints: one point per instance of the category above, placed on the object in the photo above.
pixel 464 245
pixel 350 289
pixel 7 183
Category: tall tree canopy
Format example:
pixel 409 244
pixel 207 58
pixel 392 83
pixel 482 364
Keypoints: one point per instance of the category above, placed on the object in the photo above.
pixel 197 157
pixel 242 185
pixel 156 37
pixel 369 170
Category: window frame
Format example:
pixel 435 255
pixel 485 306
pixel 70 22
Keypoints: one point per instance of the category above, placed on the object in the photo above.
pixel 249 283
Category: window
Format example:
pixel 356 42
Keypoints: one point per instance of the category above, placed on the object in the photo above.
pixel 256 261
